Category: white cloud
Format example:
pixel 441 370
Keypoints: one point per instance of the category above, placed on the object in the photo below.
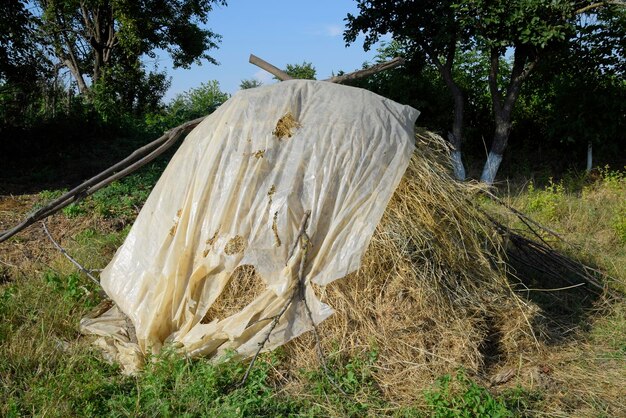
pixel 329 31
pixel 263 76
pixel 333 30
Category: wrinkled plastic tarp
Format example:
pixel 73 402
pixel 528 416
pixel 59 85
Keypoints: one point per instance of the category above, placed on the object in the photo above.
pixel 231 190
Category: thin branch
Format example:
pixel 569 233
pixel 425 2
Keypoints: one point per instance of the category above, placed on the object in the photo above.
pixel 69 257
pixel 600 4
pixel 304 244
pixel 301 231
pixel 318 346
pixel 283 76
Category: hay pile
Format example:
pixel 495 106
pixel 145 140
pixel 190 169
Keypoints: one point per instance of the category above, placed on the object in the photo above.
pixel 432 292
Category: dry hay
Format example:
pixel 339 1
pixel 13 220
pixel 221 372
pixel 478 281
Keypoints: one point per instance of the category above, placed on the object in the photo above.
pixel 244 286
pixel 431 294
pixel 285 126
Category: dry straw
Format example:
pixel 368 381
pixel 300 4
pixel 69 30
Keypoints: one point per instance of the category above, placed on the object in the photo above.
pixel 431 294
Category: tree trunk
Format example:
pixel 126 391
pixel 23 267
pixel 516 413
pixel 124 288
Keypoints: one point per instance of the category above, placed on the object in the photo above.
pixel 503 105
pixel 455 136
pixel 78 76
pixel 589 157
pixel 500 139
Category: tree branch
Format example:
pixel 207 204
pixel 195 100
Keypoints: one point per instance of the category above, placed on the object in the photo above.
pixel 600 4
pixel 69 257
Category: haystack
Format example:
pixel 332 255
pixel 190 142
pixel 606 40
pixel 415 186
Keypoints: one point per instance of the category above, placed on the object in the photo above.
pixel 298 200
pixel 432 294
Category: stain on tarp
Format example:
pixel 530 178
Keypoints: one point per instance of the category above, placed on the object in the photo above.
pixel 271 192
pixel 179 212
pixel 275 230
pixel 209 243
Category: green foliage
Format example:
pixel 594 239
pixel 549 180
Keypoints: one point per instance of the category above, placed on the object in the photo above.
pixel 459 396
pixel 175 386
pixel 73 210
pixel 250 84
pixel 6 294
pixel 521 401
pixel 353 376
pixel 305 71
pixel 127 29
pixel 72 287
pixel 546 201
pixel 126 89
pixel 613 179
pixel 195 103
pixel 122 198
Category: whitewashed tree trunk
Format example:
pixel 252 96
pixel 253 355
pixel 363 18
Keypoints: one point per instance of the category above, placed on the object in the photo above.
pixel 589 157
pixel 457 165
pixel 491 168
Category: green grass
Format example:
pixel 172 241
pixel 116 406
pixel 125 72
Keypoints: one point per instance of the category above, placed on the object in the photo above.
pixel 47 368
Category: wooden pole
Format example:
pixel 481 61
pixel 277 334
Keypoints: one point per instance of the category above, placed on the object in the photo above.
pixel 280 74
pixel 387 65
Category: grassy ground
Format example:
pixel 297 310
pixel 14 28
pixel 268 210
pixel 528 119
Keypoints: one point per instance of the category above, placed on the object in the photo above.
pixel 47 368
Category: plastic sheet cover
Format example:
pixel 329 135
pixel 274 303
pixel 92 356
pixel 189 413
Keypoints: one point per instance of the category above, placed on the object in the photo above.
pixel 235 193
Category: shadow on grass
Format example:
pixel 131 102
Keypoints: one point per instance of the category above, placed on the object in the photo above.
pixel 568 296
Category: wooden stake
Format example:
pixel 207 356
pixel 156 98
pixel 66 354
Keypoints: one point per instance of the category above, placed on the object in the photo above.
pixel 280 74
pixel 383 66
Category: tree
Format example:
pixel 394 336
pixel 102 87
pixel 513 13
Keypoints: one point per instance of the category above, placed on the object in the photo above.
pixel 305 71
pixel 576 100
pixel 86 36
pixel 430 29
pixel 25 70
pixel 528 30
pixel 250 84
pixel 415 83
pixel 192 104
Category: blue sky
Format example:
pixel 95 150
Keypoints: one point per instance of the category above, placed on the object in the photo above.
pixel 279 31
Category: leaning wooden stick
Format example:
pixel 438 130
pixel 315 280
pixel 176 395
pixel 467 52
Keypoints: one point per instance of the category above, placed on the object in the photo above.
pixel 133 162
pixel 383 66
pixel 281 75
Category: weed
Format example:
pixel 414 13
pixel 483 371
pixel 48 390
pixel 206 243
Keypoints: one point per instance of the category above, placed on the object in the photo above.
pixel 123 198
pixel 354 377
pixel 47 196
pixel 545 202
pixel 619 223
pixel 74 210
pixel 6 295
pixel 613 179
pixel 71 287
pixel 459 396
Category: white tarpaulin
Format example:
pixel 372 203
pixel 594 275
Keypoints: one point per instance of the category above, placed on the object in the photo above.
pixel 235 194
